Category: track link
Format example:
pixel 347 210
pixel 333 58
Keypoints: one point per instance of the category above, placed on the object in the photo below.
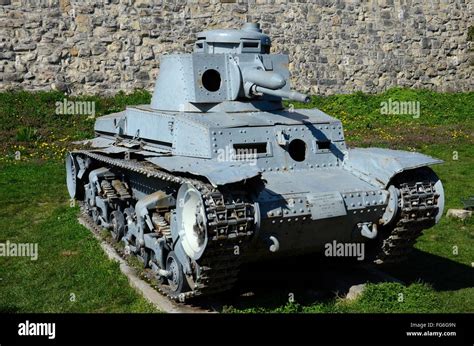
pixel 417 211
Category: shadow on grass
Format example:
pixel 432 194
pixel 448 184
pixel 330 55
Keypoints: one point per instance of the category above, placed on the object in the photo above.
pixel 319 280
pixel 441 273
pixel 308 279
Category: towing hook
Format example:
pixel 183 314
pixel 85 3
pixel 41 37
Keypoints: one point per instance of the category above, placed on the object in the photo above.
pixel 275 244
pixel 367 232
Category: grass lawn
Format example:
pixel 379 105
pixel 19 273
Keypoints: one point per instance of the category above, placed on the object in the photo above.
pixel 73 275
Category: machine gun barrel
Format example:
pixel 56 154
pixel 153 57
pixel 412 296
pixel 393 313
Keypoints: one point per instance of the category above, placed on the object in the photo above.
pixel 291 95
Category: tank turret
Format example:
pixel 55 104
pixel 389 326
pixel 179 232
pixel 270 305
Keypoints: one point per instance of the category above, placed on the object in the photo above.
pixel 232 67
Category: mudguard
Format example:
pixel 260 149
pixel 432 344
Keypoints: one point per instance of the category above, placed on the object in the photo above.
pixel 217 172
pixel 377 166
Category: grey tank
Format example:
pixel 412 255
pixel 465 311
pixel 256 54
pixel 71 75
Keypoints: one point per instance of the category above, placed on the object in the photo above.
pixel 215 172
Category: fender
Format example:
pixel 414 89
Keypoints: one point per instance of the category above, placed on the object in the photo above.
pixel 377 166
pixel 217 172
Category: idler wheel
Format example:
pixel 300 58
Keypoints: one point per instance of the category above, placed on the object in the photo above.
pixel 72 181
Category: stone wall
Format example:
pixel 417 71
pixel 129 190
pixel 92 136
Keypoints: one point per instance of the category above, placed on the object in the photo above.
pixel 335 46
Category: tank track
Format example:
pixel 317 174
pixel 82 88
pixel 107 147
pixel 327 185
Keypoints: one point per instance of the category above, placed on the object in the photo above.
pixel 417 211
pixel 230 223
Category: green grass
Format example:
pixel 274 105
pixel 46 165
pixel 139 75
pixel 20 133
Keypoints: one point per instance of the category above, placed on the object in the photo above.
pixel 363 110
pixel 377 298
pixel 29 123
pixel 35 208
pixel 444 117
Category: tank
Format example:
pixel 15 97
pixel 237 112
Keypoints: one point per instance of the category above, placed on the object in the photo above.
pixel 216 173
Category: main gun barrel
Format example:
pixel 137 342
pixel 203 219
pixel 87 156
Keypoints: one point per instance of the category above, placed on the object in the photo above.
pixel 291 95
